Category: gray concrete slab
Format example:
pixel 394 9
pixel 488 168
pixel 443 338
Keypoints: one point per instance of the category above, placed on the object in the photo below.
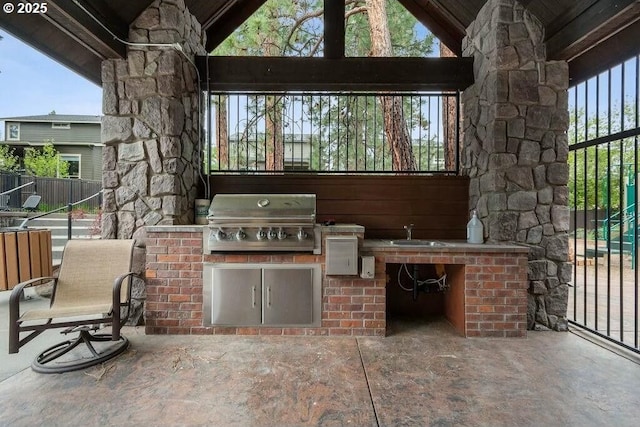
pixel 422 374
pixel 10 364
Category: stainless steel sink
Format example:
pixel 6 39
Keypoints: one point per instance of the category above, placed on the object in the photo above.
pixel 418 242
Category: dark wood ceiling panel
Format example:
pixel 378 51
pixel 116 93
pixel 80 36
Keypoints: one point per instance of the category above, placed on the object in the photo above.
pixel 115 20
pixel 595 23
pixel 554 22
pixel 48 39
pixel 584 32
pixel 68 15
pixel 461 12
pixel 541 10
pixel 209 11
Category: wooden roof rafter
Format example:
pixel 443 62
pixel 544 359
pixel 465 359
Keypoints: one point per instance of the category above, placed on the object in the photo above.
pixel 74 16
pixel 224 21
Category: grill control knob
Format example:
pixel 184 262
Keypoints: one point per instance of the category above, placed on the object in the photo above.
pixel 261 234
pixel 220 235
pixel 272 234
pixel 302 235
pixel 282 234
pixel 240 234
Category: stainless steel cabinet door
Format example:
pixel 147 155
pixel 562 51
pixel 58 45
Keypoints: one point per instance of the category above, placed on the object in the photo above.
pixel 287 296
pixel 236 296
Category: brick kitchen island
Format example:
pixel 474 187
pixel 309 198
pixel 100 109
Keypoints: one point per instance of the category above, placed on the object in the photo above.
pixel 487 296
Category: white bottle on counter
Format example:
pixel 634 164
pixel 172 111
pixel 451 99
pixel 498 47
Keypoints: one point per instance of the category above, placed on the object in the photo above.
pixel 475 230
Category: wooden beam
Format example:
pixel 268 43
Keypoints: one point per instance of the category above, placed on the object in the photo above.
pixel 220 26
pixel 334 29
pixel 71 18
pixel 432 17
pixel 54 43
pixel 579 34
pixel 108 16
pixel 226 73
pixel 563 18
pixel 621 46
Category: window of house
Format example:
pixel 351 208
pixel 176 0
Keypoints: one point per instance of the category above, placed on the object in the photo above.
pixel 60 125
pixel 74 164
pixel 13 131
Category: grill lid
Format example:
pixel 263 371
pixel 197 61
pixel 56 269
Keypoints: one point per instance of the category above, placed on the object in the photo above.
pixel 268 207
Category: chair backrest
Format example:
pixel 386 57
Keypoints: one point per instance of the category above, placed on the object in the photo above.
pixel 32 202
pixel 88 270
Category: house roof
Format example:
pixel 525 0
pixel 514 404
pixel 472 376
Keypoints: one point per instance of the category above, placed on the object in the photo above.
pixel 57 118
pixel 592 35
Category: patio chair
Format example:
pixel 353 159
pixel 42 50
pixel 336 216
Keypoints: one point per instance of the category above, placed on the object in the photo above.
pixel 32 202
pixel 92 289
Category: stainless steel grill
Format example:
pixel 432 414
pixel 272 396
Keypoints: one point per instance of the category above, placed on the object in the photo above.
pixel 261 222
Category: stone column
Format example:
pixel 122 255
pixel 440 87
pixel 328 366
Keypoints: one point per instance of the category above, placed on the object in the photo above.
pixel 151 126
pixel 515 149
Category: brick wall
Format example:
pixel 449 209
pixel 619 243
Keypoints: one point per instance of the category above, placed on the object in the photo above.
pixel 174 283
pixel 494 294
pixel 493 298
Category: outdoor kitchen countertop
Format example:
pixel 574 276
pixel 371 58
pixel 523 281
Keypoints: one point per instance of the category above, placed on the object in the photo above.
pixel 385 245
pixel 333 228
pixel 192 228
pixel 420 245
pixel 341 228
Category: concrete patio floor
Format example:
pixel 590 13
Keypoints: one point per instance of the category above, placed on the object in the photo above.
pixel 422 374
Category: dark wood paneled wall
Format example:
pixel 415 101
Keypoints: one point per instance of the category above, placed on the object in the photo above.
pixel 437 205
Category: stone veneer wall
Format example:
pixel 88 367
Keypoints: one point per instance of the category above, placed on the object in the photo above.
pixel 515 149
pixel 151 125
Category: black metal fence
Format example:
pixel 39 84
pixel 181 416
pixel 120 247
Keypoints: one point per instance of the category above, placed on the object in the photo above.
pixel 55 192
pixel 332 132
pixel 603 161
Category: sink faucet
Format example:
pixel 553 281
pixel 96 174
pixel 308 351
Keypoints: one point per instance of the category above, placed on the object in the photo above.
pixel 409 228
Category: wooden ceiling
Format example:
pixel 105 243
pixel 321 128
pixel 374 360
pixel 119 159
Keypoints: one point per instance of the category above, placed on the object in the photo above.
pixel 591 34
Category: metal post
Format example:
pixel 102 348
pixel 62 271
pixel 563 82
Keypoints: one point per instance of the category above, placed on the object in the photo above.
pixel 415 282
pixel 69 208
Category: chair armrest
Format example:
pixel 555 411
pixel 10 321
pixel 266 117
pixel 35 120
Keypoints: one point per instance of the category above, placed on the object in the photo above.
pixel 18 290
pixel 117 302
pixel 14 309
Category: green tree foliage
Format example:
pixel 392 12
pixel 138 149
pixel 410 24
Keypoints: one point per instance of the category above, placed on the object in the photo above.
pixel 45 162
pixel 8 161
pixel 286 28
pixel 599 174
pixel 347 129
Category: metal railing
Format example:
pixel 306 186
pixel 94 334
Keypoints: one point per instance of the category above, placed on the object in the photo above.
pixel 55 192
pixel 603 161
pixel 5 196
pixel 68 208
pixel 328 132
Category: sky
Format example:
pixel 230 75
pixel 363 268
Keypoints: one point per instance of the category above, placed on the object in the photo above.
pixel 31 83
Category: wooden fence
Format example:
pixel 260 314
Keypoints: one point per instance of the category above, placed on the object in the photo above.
pixel 24 255
pixel 55 192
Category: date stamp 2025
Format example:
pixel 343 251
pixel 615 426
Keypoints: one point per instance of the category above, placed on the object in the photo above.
pixel 21 8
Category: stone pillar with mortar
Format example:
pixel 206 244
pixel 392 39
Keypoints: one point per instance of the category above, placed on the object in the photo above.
pixel 515 149
pixel 152 123
pixel 152 130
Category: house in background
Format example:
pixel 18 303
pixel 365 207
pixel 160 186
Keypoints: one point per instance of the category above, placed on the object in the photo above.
pixel 250 151
pixel 75 137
